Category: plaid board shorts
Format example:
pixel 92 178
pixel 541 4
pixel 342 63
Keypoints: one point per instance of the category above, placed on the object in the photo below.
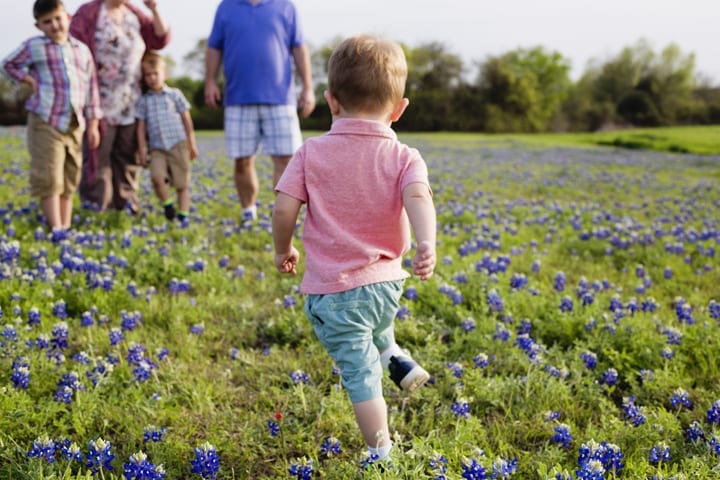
pixel 275 127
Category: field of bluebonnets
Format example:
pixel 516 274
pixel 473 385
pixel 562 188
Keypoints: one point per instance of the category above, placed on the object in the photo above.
pixel 571 330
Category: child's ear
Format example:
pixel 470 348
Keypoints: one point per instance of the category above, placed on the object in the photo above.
pixel 399 109
pixel 332 102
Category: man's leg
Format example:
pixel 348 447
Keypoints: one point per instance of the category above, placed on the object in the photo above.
pixel 246 181
pixel 51 210
pixel 280 163
pixel 66 209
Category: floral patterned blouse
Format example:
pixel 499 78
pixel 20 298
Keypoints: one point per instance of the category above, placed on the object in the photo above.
pixel 118 54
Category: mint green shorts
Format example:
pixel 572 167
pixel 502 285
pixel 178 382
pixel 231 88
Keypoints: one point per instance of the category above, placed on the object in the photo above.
pixel 354 327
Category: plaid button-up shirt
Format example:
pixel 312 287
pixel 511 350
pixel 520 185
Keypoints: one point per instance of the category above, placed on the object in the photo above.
pixel 66 80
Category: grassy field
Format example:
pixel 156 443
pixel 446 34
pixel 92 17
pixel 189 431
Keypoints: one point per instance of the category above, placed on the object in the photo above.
pixel 703 140
pixel 571 330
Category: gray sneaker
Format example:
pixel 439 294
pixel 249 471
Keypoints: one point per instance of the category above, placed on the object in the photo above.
pixel 406 373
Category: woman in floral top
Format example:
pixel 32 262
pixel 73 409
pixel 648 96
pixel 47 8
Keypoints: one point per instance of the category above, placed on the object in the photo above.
pixel 118 33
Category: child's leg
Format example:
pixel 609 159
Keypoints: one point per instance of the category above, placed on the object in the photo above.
pixel 51 210
pixel 371 417
pixel 160 188
pixel 66 207
pixel 183 198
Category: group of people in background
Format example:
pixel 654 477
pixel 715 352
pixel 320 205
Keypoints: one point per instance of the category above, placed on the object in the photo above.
pixel 98 72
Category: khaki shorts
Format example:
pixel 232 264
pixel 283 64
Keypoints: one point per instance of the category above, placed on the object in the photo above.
pixel 55 158
pixel 173 164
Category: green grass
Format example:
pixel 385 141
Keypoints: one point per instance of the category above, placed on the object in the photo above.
pixel 692 139
pixel 594 214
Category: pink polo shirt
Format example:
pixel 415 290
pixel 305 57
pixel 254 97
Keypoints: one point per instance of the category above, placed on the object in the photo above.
pixel 351 179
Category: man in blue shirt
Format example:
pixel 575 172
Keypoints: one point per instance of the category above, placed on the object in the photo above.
pixel 257 42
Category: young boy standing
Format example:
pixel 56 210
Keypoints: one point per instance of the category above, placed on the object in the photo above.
pixel 361 186
pixel 65 100
pixel 164 122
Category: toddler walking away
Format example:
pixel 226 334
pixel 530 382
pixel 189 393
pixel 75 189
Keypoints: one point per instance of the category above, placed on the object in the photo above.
pixel 165 126
pixel 65 100
pixel 360 186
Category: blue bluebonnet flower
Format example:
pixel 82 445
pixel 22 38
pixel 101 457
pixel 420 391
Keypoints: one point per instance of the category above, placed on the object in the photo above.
pixel 60 335
pixel 453 293
pixel 501 333
pixel 223 261
pixel 302 469
pixel 562 435
pixel 460 277
pixel 713 413
pixel 667 273
pixel 648 305
pixel 481 360
pixel 273 428
pixel 68 384
pixel 674 336
pixel 559 283
pixel 129 321
pixel 587 298
pixel 132 289
pixel 402 313
pixel 162 353
pixel 206 462
pixel 566 304
pixel 551 415
pixel 20 373
pixel 197 329
pixel 116 336
pixel 151 433
pixel 438 465
pixel 529 346
pixel 411 293
pixel 535 267
pixel 714 309
pixel 633 413
pixel 456 368
pixel 659 453
pixel 234 353
pixel 525 327
pixel 714 444
pixel 82 358
pixel 460 408
pixel 289 301
pixel 71 451
pixel 695 431
pixel 503 468
pixel 34 316
pixel 8 336
pixel 589 359
pixel 331 447
pixel 367 461
pixel 239 272
pixel 59 309
pixel 139 468
pixel 136 353
pixel 518 281
pixel 667 353
pixel 144 369
pixel 298 376
pixel 683 311
pixel 468 325
pixel 43 447
pixel 681 397
pixel 494 301
pixel 99 456
pixel 609 377
pixel 472 470
pixel 608 455
pixel 646 375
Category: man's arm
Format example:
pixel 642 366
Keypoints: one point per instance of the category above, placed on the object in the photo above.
pixel 213 60
pixel 306 101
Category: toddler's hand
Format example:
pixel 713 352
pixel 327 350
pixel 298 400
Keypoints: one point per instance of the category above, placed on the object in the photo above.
pixel 424 261
pixel 287 262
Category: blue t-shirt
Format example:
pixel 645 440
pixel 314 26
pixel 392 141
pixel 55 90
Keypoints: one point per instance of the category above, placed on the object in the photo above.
pixel 256 43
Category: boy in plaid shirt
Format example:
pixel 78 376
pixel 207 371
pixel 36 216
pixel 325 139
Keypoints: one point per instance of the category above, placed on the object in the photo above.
pixel 65 100
pixel 164 124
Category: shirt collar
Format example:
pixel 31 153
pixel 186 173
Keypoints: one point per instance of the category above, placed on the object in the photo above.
pixel 359 126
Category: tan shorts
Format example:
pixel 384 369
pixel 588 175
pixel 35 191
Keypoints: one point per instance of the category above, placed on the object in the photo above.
pixel 173 164
pixel 55 158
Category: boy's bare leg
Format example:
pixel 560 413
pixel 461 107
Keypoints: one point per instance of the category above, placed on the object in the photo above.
pixel 160 188
pixel 183 199
pixel 51 209
pixel 371 416
pixel 66 208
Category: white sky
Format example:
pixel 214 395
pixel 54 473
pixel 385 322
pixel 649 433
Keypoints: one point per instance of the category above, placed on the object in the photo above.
pixel 580 30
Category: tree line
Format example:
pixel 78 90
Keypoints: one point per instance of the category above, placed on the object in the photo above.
pixel 523 90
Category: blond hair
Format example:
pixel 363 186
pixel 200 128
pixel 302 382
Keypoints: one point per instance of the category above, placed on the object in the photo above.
pixel 367 73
